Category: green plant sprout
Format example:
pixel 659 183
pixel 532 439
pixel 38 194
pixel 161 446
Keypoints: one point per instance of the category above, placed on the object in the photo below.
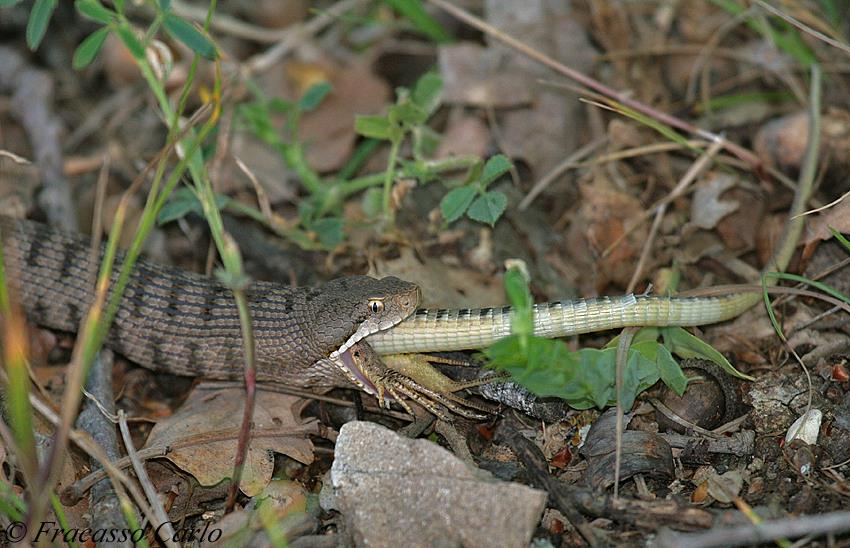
pixel 319 211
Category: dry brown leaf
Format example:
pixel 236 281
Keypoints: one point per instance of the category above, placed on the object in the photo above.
pixel 782 142
pixel 464 135
pixel 328 131
pixel 281 499
pixel 611 26
pixel 698 246
pixel 721 204
pixel 600 222
pixel 548 127
pixel 769 232
pixel 736 229
pixel 700 494
pixel 265 163
pixel 541 135
pixel 707 208
pixel 203 434
pixel 698 21
pixel 725 487
pixel 837 217
pixel 624 134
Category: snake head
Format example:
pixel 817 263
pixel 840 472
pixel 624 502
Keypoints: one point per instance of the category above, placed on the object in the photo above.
pixel 348 309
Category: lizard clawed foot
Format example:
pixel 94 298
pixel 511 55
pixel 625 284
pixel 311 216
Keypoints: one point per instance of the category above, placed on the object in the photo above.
pixel 394 383
pixel 416 380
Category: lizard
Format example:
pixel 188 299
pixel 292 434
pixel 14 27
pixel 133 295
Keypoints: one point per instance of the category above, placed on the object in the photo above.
pixel 393 355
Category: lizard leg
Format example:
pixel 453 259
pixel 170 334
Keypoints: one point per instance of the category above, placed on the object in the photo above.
pixel 392 390
pixel 433 401
pixel 435 393
pixel 431 406
pixel 418 367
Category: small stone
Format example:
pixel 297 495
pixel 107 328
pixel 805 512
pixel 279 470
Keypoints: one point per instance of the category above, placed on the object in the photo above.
pixel 393 491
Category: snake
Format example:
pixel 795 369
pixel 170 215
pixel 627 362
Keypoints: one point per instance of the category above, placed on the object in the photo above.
pixel 172 320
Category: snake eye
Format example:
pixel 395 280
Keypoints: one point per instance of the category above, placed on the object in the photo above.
pixel 376 306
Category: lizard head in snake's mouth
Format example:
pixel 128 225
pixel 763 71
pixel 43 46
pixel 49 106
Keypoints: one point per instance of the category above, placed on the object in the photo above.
pixel 352 363
pixel 377 305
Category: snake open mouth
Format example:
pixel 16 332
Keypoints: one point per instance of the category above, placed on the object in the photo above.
pixel 342 356
pixel 356 373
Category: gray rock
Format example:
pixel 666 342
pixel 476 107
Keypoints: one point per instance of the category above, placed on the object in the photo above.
pixel 393 491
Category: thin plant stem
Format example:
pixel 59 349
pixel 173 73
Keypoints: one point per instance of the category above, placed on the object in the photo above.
pixel 389 214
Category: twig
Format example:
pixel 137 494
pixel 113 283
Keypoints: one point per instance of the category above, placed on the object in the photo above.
pixel 819 525
pixel 538 468
pixel 228 24
pixel 823 207
pixel 120 481
pixel 250 382
pixel 20 160
pixel 805 28
pixel 673 416
pixel 623 344
pixel 647 247
pixel 739 444
pixel 569 162
pixel 106 509
pixel 162 521
pixel 262 197
pixel 263 61
pixel 32 99
pixel 681 188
